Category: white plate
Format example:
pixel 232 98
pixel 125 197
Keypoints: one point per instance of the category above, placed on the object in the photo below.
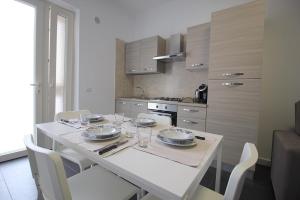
pixel 144 121
pixel 95 117
pixel 101 133
pixel 176 135
pixel 177 144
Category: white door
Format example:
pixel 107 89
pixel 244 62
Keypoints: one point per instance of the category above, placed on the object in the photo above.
pixel 21 50
pixel 61 60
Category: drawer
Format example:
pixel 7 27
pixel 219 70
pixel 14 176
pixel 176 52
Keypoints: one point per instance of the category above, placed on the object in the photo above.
pixel 192 112
pixel 123 107
pixel 191 123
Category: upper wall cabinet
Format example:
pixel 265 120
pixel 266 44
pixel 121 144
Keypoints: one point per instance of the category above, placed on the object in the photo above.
pixel 236 42
pixel 197 47
pixel 132 57
pixel 139 56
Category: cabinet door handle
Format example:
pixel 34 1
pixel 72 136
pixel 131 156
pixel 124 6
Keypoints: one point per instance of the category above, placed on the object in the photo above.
pixel 233 74
pixel 189 121
pixel 232 84
pixel 197 65
pixel 190 110
pixel 133 70
pixel 138 104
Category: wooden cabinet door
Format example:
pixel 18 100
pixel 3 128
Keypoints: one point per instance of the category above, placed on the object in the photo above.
pixel 148 50
pixel 132 57
pixel 233 111
pixel 197 46
pixel 236 42
pixel 123 107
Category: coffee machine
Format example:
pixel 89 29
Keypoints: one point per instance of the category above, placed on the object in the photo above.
pixel 201 94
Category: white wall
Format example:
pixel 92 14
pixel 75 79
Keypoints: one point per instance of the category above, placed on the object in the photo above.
pixel 175 16
pixel 97 52
pixel 281 70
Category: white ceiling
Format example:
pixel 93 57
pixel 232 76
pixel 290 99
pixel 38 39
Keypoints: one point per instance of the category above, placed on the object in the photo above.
pixel 136 6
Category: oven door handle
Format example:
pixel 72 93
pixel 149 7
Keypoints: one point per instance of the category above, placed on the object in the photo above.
pixel 161 114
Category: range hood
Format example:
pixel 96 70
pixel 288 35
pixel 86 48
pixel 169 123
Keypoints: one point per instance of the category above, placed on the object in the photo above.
pixel 175 53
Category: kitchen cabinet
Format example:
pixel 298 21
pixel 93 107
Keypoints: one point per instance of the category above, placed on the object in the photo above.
pixel 132 55
pixel 234 76
pixel 123 106
pixel 131 108
pixel 233 111
pixel 139 56
pixel 236 42
pixel 137 107
pixel 197 47
pixel 191 117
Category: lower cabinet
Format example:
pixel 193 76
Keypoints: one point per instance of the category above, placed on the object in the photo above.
pixel 123 107
pixel 191 117
pixel 131 108
pixel 137 107
pixel 233 111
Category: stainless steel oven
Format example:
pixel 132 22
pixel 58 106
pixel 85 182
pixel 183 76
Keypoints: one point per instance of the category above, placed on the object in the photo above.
pixel 163 109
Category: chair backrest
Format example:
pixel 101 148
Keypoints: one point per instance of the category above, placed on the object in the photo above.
pixel 70 114
pixel 161 120
pixel 31 158
pixel 236 180
pixel 49 167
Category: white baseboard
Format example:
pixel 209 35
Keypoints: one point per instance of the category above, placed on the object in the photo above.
pixel 13 155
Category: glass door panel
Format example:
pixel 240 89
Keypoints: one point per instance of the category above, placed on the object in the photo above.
pixel 17 78
pixel 60 64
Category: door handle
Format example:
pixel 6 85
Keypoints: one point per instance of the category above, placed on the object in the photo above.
pixel 232 84
pixel 37 87
pixel 189 122
pixel 233 74
pixel 190 110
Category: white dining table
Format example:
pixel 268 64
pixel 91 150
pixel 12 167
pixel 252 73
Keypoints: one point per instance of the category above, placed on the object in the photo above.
pixel 162 177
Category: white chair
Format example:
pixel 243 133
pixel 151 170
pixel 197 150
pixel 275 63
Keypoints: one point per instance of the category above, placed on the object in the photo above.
pixel 236 181
pixel 34 170
pixel 68 153
pixel 93 184
pixel 161 120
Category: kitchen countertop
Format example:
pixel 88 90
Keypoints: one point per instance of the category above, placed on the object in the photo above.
pixel 161 101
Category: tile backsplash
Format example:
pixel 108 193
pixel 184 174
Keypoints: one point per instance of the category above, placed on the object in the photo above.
pixel 175 82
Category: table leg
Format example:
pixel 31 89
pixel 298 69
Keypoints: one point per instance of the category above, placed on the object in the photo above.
pixel 219 169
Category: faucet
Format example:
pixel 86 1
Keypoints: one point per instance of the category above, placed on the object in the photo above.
pixel 143 91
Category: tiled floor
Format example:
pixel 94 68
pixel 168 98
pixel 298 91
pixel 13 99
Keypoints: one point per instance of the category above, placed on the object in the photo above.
pixel 16 182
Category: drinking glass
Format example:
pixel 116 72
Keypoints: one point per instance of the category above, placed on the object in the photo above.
pixel 144 136
pixel 119 119
pixel 84 120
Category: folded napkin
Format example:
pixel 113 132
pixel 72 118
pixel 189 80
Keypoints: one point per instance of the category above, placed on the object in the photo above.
pixel 191 156
pixel 96 145
pixel 76 138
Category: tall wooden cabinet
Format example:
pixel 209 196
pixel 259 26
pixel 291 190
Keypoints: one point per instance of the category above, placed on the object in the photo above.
pixel 234 84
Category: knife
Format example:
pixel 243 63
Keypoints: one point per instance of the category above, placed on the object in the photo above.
pixel 111 147
pixel 200 137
